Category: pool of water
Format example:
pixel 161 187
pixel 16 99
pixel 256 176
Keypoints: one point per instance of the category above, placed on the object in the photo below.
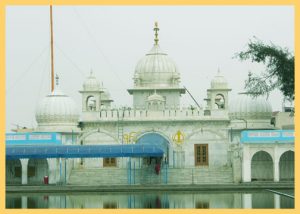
pixel 145 200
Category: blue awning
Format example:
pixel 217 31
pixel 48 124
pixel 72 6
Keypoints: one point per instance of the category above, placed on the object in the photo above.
pixel 86 151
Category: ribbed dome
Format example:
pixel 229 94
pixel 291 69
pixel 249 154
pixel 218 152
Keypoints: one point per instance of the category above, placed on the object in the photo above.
pixel 248 107
pixel 91 83
pixel 156 69
pixel 57 108
pixel 155 97
pixel 219 82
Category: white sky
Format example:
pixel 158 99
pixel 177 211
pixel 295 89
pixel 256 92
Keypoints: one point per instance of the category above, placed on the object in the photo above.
pixel 111 40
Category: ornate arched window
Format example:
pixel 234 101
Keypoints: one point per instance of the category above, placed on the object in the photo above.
pixel 220 101
pixel 91 103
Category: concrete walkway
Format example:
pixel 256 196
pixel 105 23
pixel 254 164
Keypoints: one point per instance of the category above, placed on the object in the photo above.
pixel 140 188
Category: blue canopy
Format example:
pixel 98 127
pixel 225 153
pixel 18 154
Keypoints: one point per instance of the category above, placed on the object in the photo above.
pixel 86 151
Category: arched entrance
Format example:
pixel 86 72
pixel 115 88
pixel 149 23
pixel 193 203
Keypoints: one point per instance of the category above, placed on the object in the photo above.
pixel 155 139
pixel 13 172
pixel 154 168
pixel 37 169
pixel 262 167
pixel 286 166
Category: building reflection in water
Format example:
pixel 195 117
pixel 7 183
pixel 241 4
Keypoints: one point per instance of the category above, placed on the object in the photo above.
pixel 147 200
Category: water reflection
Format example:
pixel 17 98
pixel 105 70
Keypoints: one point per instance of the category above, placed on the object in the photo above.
pixel 146 200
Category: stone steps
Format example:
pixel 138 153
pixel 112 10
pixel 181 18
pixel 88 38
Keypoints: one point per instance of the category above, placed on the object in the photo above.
pixel 114 176
pixel 200 175
pixel 98 176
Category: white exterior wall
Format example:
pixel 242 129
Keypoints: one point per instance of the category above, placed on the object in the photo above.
pixel 212 133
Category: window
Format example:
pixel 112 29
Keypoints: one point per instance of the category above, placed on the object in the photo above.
pixel 91 103
pixel 201 154
pixel 220 101
pixel 107 162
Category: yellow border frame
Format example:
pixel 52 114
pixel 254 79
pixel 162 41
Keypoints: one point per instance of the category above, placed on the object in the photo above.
pixel 4 3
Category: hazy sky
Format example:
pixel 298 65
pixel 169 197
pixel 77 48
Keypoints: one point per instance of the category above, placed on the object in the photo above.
pixel 110 40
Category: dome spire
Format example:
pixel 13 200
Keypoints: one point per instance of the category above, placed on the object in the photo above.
pixel 156 29
pixel 91 72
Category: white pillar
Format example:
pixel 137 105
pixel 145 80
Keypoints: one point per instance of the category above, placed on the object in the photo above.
pixel 24 163
pixel 247 201
pixel 52 170
pixel 276 201
pixel 276 164
pixel 24 202
pixel 276 170
pixel 246 170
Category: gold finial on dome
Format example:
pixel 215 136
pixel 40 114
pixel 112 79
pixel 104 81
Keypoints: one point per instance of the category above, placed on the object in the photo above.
pixel 156 29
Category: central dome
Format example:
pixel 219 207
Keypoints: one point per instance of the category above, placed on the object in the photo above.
pixel 156 68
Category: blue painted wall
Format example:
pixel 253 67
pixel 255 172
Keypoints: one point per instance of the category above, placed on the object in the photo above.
pixel 268 136
pixel 33 138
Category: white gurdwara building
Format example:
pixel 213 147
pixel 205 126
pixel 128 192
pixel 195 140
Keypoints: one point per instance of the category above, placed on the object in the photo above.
pixel 225 142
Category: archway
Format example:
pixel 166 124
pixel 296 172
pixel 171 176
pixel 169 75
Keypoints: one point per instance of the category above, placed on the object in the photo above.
pixel 156 139
pixel 37 169
pixel 286 166
pixel 13 172
pixel 262 167
pixel 91 103
pixel 98 137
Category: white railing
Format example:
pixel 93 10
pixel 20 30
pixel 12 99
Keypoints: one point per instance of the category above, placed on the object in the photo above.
pixel 167 114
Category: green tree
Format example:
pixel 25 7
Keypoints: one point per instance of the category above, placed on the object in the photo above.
pixel 279 71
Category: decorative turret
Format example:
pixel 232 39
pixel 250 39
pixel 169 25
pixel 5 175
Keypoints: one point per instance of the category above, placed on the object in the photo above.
pixel 217 95
pixel 94 96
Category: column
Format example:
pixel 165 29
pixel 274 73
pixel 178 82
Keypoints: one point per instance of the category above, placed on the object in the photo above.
pixel 247 201
pixel 246 170
pixel 276 201
pixel 276 170
pixel 24 202
pixel 52 170
pixel 24 163
pixel 276 165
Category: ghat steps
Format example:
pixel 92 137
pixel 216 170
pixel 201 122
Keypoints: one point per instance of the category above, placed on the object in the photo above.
pixel 147 175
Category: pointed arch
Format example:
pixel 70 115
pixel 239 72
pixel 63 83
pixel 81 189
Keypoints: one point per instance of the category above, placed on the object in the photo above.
pixel 86 134
pixel 286 166
pixel 262 166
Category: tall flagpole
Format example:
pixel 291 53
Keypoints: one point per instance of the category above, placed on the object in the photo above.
pixel 52 57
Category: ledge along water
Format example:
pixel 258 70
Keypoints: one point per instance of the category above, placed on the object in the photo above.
pixel 138 188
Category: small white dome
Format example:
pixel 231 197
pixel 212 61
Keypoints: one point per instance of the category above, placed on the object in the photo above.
pixel 91 83
pixel 247 107
pixel 219 82
pixel 57 108
pixel 155 97
pixel 156 69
